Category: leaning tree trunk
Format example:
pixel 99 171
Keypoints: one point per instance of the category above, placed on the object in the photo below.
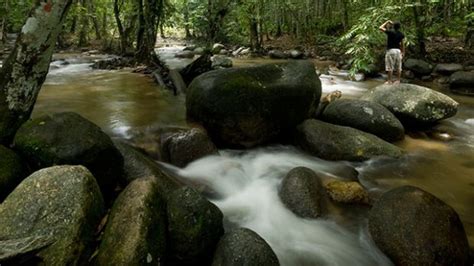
pixel 26 68
pixel 148 21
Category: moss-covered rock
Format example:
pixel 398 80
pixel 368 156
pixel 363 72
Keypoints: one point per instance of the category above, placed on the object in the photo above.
pixel 194 227
pixel 413 227
pixel 243 246
pixel 367 116
pixel 135 233
pixel 413 105
pixel 301 191
pixel 12 171
pixel 184 147
pixel 68 138
pixel 347 192
pixel 332 142
pixel 245 107
pixel 62 202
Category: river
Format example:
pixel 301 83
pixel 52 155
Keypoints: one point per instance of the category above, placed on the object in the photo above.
pixel 247 181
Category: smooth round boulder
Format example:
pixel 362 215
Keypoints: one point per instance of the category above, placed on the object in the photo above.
pixel 277 54
pixel 447 69
pixel 245 107
pixel 333 142
pixel 221 61
pixel 347 192
pixel 135 233
pixel 62 203
pixel 12 171
pixel 243 246
pixel 413 105
pixel 182 148
pixel 68 138
pixel 418 67
pixel 301 191
pixel 413 227
pixel 367 116
pixel 462 81
pixel 194 227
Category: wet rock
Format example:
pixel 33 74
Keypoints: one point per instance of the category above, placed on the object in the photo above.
pixel 238 51
pixel 221 61
pixel 199 66
pixel 224 52
pixel 462 81
pixel 418 67
pixel 217 47
pixel 347 192
pixel 413 227
pixel 62 202
pixel 12 171
pixel 243 246
pixel 301 191
pixel 194 227
pixel 199 51
pixel 190 48
pixel 296 54
pixel 367 116
pixel 333 142
pixel 447 69
pixel 22 250
pixel 135 233
pixel 277 54
pixel 137 166
pixel 185 54
pixel 68 138
pixel 413 105
pixel 182 148
pixel 245 107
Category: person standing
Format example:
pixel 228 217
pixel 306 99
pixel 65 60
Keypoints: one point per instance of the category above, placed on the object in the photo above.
pixel 395 49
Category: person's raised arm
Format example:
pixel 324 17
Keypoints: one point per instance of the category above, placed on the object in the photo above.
pixel 383 27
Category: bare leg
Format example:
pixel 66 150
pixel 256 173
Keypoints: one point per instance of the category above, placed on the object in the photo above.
pixel 389 78
pixel 399 75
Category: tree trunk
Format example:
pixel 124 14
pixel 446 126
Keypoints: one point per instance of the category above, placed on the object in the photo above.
pixel 26 68
pixel 420 32
pixel 148 22
pixel 3 21
pixel 123 38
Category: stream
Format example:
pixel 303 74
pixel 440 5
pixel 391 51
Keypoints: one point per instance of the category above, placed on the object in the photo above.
pixel 247 181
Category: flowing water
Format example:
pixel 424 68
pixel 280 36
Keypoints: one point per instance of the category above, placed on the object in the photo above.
pixel 246 182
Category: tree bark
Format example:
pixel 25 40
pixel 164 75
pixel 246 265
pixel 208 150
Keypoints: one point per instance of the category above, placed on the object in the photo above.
pixel 26 68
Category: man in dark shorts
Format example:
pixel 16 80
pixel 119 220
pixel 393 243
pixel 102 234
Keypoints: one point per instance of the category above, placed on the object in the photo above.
pixel 395 49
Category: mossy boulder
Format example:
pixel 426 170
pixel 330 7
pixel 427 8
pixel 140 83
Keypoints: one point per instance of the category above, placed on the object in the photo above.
pixel 413 105
pixel 462 81
pixel 367 116
pixel 347 192
pixel 12 171
pixel 333 142
pixel 419 67
pixel 182 148
pixel 243 246
pixel 135 233
pixel 194 227
pixel 68 138
pixel 413 227
pixel 302 192
pixel 63 203
pixel 245 107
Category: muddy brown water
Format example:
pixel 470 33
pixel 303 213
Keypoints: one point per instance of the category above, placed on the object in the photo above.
pixel 120 101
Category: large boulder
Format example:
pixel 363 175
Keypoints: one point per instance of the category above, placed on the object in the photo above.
pixel 419 67
pixel 12 171
pixel 447 69
pixel 367 116
pixel 194 227
pixel 135 233
pixel 249 106
pixel 199 66
pixel 414 105
pixel 462 81
pixel 301 191
pixel 63 203
pixel 68 138
pixel 413 227
pixel 243 246
pixel 333 142
pixel 184 147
